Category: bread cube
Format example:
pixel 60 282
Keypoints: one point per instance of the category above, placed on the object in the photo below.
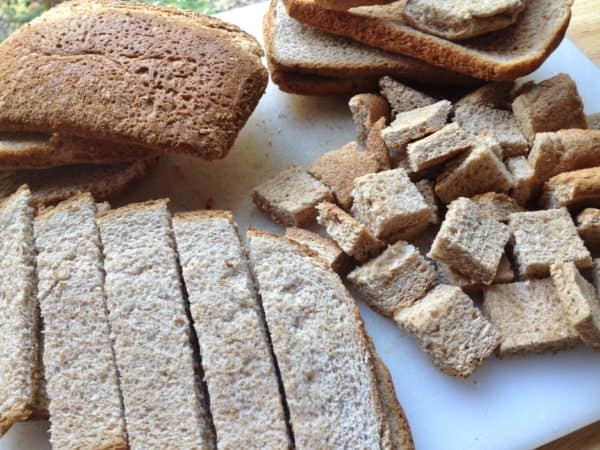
pixel 551 105
pixel 529 316
pixel 469 242
pixel 367 109
pixel 389 204
pixel 579 301
pixel 325 248
pixel 352 236
pixel 588 226
pixel 395 279
pixel 524 179
pixel 452 331
pixel 425 187
pixel 479 172
pixel 579 187
pixel 496 206
pixel 412 125
pixel 495 95
pixel 447 275
pixel 401 97
pixel 542 238
pixel 290 197
pixel 438 148
pixel 376 145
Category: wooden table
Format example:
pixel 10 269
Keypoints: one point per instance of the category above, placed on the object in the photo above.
pixel 584 31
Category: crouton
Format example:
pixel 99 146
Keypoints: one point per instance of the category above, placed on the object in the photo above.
pixel 395 279
pixel 425 187
pixel 479 172
pixel 401 97
pixel 376 145
pixel 325 248
pixel 494 95
pixel 551 105
pixel 593 121
pixel 390 205
pixel 352 236
pixel 450 329
pixel 438 148
pixel 469 242
pixel 291 196
pixel 475 118
pixel 529 316
pixel 588 226
pixel 447 275
pixel 367 109
pixel 337 170
pixel 542 238
pixel 496 206
pixel 524 179
pixel 579 187
pixel 412 125
pixel 579 301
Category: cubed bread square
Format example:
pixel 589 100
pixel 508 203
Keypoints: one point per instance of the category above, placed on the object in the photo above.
pixel 325 248
pixel 497 206
pixel 389 204
pixel 542 238
pixel 291 196
pixel 495 95
pixel 367 109
pixel 395 279
pixel 552 105
pixel 469 242
pixel 353 237
pixel 524 179
pixel 579 187
pixel 529 316
pixel 588 226
pixel 580 302
pixel 453 332
pixel 447 275
pixel 401 97
pixel 482 170
pixel 412 125
pixel 438 148
pixel 337 170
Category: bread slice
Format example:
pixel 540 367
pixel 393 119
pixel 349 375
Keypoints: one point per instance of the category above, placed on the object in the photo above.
pixel 325 248
pixel 543 238
pixel 579 187
pixel 496 206
pixel 494 95
pixel 529 316
pixel 395 279
pixel 327 370
pixel 552 105
pixel 450 328
pixel 188 88
pixel 438 148
pixel 296 48
pixel 580 302
pixel 524 179
pixel 51 186
pixel 164 402
pixel 41 403
pixel 315 85
pixel 367 109
pixel 588 227
pixel 18 314
pixel 239 371
pixel 20 151
pixel 458 20
pixel 470 242
pixel 78 350
pixel 503 55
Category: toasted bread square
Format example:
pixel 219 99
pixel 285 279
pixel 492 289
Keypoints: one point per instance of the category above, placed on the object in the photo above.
pixel 367 109
pixel 337 170
pixel 524 179
pixel 325 248
pixel 395 279
pixel 450 329
pixel 447 275
pixel 469 242
pixel 438 148
pixel 579 187
pixel 389 204
pixel 588 226
pixel 542 238
pixel 497 206
pixel 403 98
pixel 529 316
pixel 353 237
pixel 580 302
pixel 290 197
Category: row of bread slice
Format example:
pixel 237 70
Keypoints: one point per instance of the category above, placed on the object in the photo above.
pixel 155 334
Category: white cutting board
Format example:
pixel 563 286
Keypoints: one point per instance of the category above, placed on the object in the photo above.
pixel 516 403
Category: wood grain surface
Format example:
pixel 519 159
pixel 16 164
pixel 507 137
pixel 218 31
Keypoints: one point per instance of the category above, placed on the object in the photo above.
pixel 584 31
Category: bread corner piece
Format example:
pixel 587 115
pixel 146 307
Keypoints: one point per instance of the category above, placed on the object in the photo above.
pixel 495 95
pixel 290 197
pixel 529 316
pixel 367 109
pixel 403 98
pixel 325 248
pixel 469 242
pixel 542 238
pixel 19 313
pixel 300 296
pixel 524 182
pixel 451 329
pixel 588 226
pixel 395 279
pixel 579 187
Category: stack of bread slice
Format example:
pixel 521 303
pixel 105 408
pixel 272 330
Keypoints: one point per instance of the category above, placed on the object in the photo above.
pixel 328 47
pixel 92 92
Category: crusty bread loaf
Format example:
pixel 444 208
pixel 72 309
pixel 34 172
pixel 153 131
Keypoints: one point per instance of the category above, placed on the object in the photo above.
pixel 579 187
pixel 134 74
pixel 79 364
pixel 164 402
pixel 326 367
pixel 502 55
pixel 20 151
pixel 239 371
pixel 51 186
pixel 18 311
